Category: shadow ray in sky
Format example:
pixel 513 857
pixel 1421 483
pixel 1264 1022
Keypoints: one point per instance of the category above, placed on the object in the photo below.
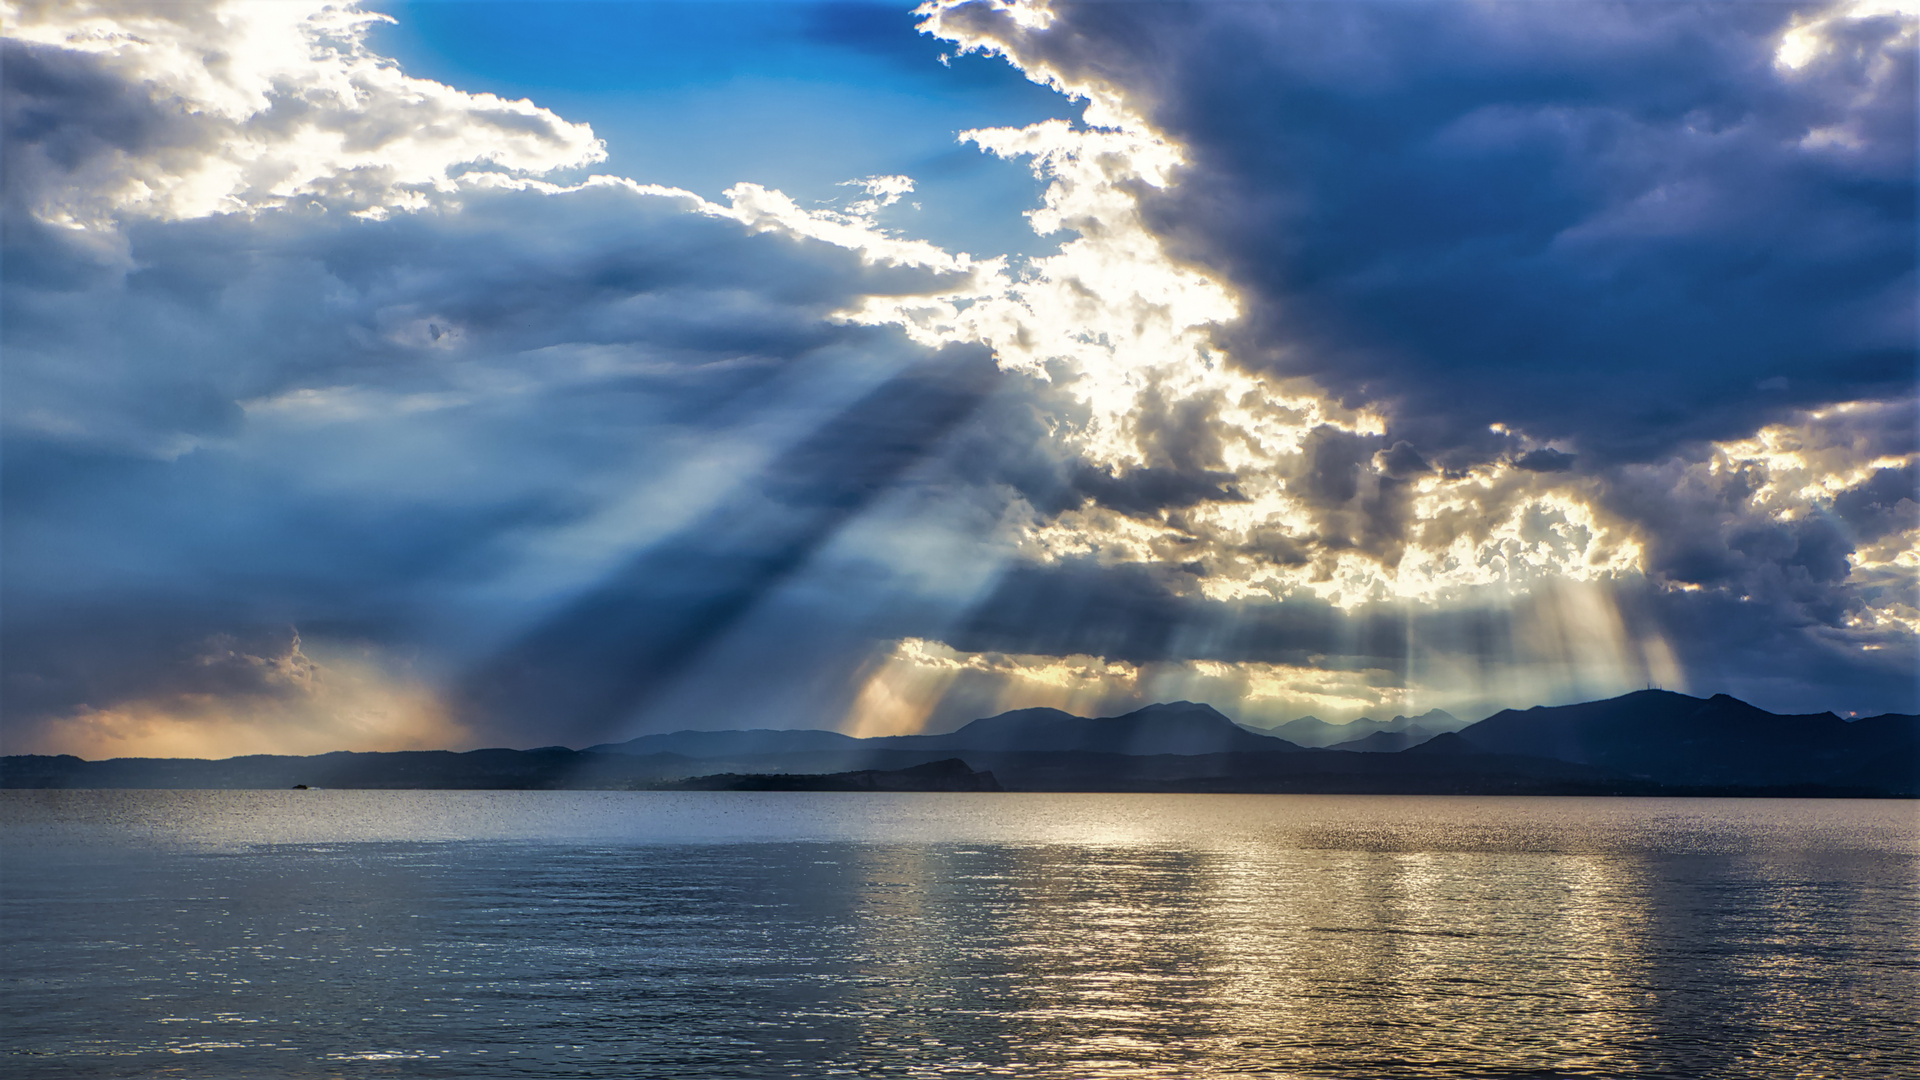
pixel 574 677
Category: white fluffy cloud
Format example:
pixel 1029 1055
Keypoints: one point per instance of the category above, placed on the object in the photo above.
pixel 246 105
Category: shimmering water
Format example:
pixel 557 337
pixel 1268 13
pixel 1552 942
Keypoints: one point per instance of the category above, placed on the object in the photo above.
pixel 650 934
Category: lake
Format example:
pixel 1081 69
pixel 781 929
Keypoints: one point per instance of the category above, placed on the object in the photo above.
pixel 656 934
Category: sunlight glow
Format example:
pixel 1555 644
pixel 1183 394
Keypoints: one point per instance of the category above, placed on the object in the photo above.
pixel 293 702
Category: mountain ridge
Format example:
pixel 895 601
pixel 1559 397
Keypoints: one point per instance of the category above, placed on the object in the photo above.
pixel 1646 742
pixel 1313 732
pixel 1669 737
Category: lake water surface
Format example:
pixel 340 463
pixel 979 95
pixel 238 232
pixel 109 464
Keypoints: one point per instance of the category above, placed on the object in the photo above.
pixel 656 934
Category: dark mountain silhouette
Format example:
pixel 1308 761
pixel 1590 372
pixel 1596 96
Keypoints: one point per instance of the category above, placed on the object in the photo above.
pixel 497 768
pixel 1672 738
pixel 1445 744
pixel 1179 727
pixel 949 774
pixel 1647 743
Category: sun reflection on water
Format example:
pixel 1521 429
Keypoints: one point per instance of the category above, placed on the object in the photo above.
pixel 1086 936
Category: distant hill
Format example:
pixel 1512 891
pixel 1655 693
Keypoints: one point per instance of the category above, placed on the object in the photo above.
pixel 1314 732
pixel 1647 743
pixel 1387 742
pixel 491 769
pixel 1179 727
pixel 1672 738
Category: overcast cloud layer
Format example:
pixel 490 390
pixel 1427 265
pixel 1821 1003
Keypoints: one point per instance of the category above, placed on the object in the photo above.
pixel 1395 356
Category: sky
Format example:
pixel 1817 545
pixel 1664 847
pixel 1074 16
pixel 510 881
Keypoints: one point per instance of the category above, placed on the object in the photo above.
pixel 390 376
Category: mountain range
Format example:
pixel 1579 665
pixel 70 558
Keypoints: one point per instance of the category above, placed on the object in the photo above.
pixel 1180 728
pixel 1650 742
pixel 1367 735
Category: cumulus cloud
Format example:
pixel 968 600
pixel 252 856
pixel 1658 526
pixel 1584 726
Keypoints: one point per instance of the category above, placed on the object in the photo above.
pixel 119 109
pixel 1815 518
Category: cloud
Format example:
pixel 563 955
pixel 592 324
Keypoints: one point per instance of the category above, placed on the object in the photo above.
pixel 923 685
pixel 1602 224
pixel 1098 647
pixel 1479 274
pixel 396 427
pixel 1815 519
pixel 624 640
pixel 1544 459
pixel 1390 357
pixel 121 110
pixel 223 701
pixel 413 434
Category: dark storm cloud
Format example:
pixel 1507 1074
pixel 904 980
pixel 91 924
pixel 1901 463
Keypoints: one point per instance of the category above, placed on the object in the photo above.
pixel 1144 615
pixel 79 657
pixel 230 413
pixel 1401 461
pixel 1144 490
pixel 1711 531
pixel 1604 223
pixel 1566 249
pixel 1773 656
pixel 1179 441
pixel 62 111
pixel 1887 503
pixel 1545 459
pixel 1121 613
